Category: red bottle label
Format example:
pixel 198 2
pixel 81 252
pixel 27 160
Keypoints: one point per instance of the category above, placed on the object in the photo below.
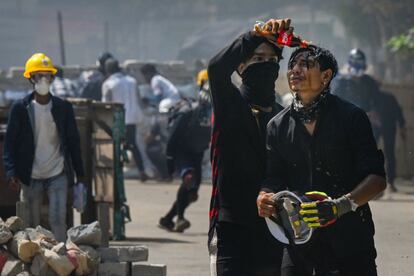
pixel 284 38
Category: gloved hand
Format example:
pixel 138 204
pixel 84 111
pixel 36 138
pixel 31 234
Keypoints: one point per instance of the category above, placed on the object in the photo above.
pixel 324 211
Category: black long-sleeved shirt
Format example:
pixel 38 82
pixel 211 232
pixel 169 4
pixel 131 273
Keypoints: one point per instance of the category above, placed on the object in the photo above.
pixel 335 159
pixel 238 140
pixel 341 152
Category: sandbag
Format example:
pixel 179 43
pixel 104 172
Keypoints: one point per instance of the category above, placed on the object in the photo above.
pixel 86 234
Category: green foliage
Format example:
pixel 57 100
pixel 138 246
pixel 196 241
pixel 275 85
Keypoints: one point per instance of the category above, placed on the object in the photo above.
pixel 403 43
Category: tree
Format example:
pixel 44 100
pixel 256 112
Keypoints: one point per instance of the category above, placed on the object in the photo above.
pixel 403 43
pixel 373 23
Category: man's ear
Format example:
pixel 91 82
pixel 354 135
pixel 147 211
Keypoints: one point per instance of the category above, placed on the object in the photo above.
pixel 327 75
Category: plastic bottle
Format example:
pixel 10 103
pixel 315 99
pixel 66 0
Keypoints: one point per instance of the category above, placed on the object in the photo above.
pixel 283 37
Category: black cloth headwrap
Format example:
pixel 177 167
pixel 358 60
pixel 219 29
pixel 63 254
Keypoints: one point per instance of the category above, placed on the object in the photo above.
pixel 309 113
pixel 258 86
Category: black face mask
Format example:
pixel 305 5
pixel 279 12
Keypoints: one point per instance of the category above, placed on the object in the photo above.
pixel 259 83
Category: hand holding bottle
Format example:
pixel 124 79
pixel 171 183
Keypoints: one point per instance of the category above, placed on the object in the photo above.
pixel 279 31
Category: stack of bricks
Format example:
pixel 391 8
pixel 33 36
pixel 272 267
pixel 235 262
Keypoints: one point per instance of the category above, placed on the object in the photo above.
pixel 128 261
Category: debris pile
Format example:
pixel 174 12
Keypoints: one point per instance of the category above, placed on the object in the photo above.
pixel 35 251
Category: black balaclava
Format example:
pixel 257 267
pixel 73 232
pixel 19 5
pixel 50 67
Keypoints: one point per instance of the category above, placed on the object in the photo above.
pixel 259 83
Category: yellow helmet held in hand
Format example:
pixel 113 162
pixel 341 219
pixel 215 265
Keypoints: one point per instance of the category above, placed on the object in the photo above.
pixel 202 77
pixel 39 62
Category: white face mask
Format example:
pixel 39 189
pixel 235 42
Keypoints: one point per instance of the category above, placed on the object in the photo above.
pixel 42 86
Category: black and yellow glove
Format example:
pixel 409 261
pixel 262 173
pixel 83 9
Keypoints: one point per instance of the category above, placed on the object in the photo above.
pixel 324 211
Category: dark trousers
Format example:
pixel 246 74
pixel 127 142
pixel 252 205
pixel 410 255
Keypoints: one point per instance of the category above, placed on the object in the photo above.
pixel 157 156
pixel 131 145
pixel 388 135
pixel 189 166
pixel 246 250
pixel 389 150
pixel 319 257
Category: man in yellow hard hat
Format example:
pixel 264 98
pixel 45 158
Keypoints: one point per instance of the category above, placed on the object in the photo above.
pixel 42 147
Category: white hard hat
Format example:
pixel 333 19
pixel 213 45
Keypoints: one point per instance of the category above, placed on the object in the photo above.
pixel 288 219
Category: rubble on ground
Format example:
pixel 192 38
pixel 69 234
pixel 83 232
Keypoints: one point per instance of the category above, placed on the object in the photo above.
pixel 35 251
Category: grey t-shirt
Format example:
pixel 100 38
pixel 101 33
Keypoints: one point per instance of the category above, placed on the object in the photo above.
pixel 48 160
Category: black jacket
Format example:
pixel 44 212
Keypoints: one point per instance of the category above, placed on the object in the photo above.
pixel 238 144
pixel 361 91
pixel 390 113
pixel 19 148
pixel 339 155
pixel 189 130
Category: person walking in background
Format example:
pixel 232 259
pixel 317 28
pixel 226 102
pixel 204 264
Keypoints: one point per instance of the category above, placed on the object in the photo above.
pixel 122 88
pixel 391 117
pixel 359 88
pixel 161 87
pixel 92 88
pixel 190 132
pixel 42 147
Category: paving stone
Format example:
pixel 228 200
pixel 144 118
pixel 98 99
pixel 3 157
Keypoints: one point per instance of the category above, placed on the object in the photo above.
pixel 124 253
pixel 140 269
pixel 114 269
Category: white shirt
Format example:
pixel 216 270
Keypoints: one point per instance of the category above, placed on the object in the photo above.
pixel 48 159
pixel 164 88
pixel 121 88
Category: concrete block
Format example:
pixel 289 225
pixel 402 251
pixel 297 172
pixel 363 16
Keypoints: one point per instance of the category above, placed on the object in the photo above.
pixel 114 269
pixel 12 267
pixel 133 254
pixel 24 273
pixel 40 267
pixel 15 224
pixel 139 269
pixel 124 254
pixel 5 233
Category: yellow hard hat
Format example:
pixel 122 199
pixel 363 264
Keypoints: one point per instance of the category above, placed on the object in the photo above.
pixel 202 77
pixel 38 62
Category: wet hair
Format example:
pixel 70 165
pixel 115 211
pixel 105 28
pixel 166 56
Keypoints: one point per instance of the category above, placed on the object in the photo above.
pixel 148 69
pixel 112 66
pixel 324 57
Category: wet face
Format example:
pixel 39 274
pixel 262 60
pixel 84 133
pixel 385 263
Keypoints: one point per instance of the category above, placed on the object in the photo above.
pixel 263 53
pixel 304 75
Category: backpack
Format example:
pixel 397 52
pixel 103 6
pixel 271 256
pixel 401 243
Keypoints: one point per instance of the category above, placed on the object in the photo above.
pixel 196 134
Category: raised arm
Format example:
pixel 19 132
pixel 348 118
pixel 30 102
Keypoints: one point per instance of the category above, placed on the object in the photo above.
pixel 222 66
